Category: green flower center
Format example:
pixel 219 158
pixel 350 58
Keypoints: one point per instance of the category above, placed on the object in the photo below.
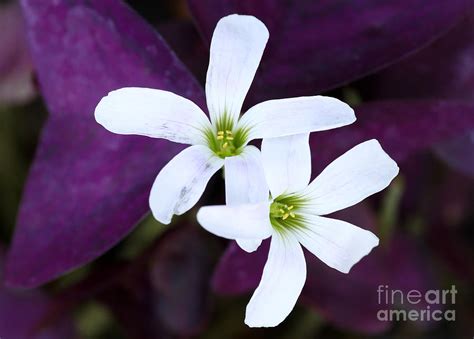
pixel 225 146
pixel 284 213
pixel 225 140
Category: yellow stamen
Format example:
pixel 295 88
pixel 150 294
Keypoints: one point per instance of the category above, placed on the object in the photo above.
pixel 290 207
pixel 220 137
pixel 285 216
pixel 292 215
pixel 220 133
pixel 229 132
pixel 225 145
pixel 282 211
pixel 230 138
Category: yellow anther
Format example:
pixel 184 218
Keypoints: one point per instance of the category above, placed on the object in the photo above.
pixel 292 215
pixel 220 133
pixel 282 211
pixel 290 207
pixel 225 145
pixel 230 138
pixel 220 137
pixel 228 132
pixel 285 216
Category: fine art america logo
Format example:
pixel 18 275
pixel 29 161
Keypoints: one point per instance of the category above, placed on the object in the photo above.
pixel 414 305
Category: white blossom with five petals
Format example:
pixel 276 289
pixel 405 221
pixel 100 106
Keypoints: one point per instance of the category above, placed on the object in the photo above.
pixel 236 49
pixel 292 216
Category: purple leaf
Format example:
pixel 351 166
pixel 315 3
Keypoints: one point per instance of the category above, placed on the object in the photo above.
pixel 351 302
pixel 459 152
pixel 16 68
pixel 88 187
pixel 337 295
pixel 445 69
pixel 181 267
pixel 319 45
pixel 22 315
pixel 163 292
pixel 25 314
pixel 125 289
pixel 402 127
pixel 448 214
pixel 453 250
pixel 239 272
pixel 184 39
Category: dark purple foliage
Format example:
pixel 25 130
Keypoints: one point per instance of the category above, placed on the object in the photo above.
pixel 88 187
pixel 336 41
pixel 162 293
pixel 459 152
pixel 183 38
pixel 443 70
pixel 403 127
pixel 16 68
pixel 181 267
pixel 27 314
pixel 445 235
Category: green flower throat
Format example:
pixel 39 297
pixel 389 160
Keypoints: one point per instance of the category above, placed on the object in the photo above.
pixel 285 213
pixel 225 140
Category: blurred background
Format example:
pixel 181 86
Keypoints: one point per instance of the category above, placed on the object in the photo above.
pixel 414 93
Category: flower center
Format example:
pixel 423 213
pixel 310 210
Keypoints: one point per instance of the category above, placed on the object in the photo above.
pixel 225 140
pixel 225 145
pixel 284 213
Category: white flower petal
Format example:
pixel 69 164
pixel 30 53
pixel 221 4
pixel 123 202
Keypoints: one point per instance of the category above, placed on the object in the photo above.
pixel 287 163
pixel 249 221
pixel 249 245
pixel 245 183
pixel 244 178
pixel 337 243
pixel 182 181
pixel 236 49
pixel 278 118
pixel 283 279
pixel 355 175
pixel 153 113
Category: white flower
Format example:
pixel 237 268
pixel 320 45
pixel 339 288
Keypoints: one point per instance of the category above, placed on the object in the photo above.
pixel 236 49
pixel 292 216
